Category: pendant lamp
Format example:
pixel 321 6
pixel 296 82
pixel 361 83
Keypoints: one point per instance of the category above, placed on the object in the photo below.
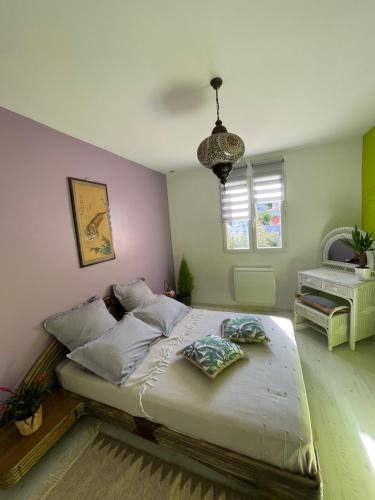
pixel 221 149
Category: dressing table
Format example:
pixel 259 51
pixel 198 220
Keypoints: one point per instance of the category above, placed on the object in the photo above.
pixel 336 278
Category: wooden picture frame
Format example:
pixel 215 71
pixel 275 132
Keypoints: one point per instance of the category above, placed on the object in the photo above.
pixel 92 221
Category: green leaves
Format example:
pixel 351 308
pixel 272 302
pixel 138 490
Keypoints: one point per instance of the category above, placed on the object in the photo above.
pixel 26 399
pixel 104 249
pixel 246 329
pixel 212 354
pixel 185 283
pixel 360 243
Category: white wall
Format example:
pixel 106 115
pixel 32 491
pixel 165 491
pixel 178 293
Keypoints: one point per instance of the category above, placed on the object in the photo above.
pixel 323 191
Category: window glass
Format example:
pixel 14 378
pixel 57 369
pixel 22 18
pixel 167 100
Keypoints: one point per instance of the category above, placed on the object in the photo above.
pixel 237 235
pixel 268 224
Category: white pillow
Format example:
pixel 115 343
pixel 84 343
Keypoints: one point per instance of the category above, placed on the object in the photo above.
pixel 132 294
pixel 162 312
pixel 115 355
pixel 81 324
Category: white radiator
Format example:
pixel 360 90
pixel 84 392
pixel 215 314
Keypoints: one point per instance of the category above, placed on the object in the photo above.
pixel 255 286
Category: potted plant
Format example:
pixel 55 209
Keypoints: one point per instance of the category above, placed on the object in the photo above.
pixel 361 243
pixel 185 283
pixel 24 406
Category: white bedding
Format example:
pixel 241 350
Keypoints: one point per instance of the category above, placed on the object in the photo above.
pixel 256 407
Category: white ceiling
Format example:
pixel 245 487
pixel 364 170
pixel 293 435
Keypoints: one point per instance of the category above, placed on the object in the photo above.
pixel 133 76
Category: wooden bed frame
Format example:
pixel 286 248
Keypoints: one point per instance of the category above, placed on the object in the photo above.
pixel 269 482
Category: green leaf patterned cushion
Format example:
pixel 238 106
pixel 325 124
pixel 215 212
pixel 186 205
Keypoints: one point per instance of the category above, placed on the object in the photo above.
pixel 212 354
pixel 248 329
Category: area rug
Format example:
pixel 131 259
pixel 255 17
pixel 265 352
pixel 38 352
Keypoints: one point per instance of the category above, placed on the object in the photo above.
pixel 106 468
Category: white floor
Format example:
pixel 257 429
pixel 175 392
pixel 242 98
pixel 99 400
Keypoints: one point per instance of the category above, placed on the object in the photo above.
pixel 341 391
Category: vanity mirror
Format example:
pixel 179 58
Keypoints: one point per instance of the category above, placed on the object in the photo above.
pixel 337 254
pixel 340 252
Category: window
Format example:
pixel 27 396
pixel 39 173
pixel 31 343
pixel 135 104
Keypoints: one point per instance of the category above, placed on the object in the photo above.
pixel 261 204
pixel 235 210
pixel 268 196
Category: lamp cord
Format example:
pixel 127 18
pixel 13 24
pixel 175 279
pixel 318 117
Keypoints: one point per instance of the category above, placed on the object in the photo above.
pixel 217 105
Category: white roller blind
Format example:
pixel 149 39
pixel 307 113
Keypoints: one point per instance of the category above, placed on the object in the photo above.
pixel 268 181
pixel 235 196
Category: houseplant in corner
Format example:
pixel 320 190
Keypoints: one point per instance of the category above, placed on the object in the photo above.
pixel 361 243
pixel 24 405
pixel 185 283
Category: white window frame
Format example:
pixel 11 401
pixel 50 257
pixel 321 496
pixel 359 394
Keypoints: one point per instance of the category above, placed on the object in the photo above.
pixel 252 223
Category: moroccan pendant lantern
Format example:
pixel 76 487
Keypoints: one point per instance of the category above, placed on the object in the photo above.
pixel 221 149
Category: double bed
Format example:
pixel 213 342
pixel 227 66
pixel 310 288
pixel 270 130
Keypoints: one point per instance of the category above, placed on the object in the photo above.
pixel 252 421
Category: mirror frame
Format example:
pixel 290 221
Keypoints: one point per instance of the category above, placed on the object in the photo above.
pixel 338 234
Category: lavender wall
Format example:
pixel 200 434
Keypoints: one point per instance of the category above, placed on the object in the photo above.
pixel 40 272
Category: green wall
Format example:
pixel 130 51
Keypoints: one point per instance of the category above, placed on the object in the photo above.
pixel 368 181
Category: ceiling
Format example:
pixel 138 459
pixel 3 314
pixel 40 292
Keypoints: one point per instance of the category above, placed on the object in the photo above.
pixel 133 76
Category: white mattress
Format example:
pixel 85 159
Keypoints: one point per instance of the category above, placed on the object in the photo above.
pixel 257 407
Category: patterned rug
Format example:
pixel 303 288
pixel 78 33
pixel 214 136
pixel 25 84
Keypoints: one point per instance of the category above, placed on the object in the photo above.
pixel 107 468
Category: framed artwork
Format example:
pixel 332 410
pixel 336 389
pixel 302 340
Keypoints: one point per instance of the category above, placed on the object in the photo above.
pixel 92 221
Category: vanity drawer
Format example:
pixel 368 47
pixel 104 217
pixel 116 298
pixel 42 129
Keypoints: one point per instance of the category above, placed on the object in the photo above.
pixel 340 290
pixel 310 280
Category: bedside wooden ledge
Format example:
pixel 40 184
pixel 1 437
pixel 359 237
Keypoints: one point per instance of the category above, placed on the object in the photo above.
pixel 18 453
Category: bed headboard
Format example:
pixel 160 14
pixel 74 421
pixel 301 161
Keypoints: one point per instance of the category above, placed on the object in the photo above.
pixel 114 306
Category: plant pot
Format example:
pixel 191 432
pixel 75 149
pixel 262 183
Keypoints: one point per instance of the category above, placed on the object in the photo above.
pixel 185 299
pixel 30 424
pixel 363 273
